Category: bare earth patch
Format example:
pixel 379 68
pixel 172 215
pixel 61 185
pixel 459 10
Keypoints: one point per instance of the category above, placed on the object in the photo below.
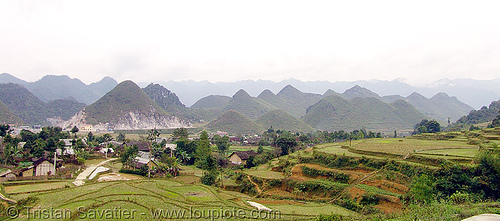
pixel 116 177
pixel 388 185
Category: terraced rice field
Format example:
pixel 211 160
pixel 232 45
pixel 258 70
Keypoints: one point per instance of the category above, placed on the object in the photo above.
pixel 402 147
pixel 147 199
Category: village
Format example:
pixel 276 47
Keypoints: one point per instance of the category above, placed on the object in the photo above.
pixel 66 149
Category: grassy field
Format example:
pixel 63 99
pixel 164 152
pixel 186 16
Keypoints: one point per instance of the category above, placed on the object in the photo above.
pixel 146 198
pixel 466 153
pixel 403 147
pixel 42 186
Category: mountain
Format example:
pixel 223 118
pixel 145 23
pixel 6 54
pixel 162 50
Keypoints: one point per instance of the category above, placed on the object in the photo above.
pixel 7 78
pixel 296 102
pixel 358 91
pixel 485 114
pixel 476 93
pixel 52 87
pixel 249 106
pixel 440 107
pixel 64 108
pixel 234 123
pixel 24 104
pixel 167 100
pixel 127 106
pixel 290 100
pixel 33 110
pixel 212 101
pixel 330 92
pixel 102 87
pixel 280 120
pixel 7 116
pixel 337 113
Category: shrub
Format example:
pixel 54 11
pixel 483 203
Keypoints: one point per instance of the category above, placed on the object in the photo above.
pixel 312 172
pixel 369 199
pixel 209 178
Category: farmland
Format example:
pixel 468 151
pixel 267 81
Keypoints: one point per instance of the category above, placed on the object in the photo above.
pixel 361 180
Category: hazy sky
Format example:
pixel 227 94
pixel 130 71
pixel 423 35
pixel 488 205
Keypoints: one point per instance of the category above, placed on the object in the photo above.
pixel 419 41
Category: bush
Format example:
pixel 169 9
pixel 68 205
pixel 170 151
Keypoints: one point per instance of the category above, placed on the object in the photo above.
pixel 209 178
pixel 312 172
pixel 369 199
pixel 333 217
pixel 461 198
pixel 134 171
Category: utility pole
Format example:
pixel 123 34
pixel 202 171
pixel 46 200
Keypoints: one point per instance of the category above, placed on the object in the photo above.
pixel 55 162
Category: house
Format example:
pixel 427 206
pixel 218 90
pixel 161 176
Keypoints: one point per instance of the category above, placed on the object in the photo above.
pixel 27 172
pixel 141 145
pixel 43 167
pixel 171 146
pixel 241 157
pixel 144 158
pixel 8 174
pixel 87 128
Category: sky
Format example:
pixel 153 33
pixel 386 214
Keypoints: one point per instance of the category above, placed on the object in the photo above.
pixel 417 42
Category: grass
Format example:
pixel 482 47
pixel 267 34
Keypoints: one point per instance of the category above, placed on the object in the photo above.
pixel 467 153
pixel 402 147
pixel 264 174
pixel 143 196
pixel 16 189
pixel 311 208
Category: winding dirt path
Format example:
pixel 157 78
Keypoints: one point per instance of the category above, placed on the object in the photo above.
pixel 79 181
pixel 255 184
pixel 353 185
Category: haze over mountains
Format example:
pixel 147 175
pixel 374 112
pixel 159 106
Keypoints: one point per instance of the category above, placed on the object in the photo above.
pixel 54 99
pixel 476 93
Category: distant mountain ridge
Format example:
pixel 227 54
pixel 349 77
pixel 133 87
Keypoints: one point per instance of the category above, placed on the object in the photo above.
pixel 476 93
pixel 32 110
pixel 336 113
pixel 52 87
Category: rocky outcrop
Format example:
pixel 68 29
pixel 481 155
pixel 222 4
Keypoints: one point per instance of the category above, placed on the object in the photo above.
pixel 134 120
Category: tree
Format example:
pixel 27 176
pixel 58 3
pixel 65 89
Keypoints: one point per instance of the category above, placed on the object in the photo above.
pixel 180 133
pixel 74 130
pixel 90 137
pixel 4 130
pixel 250 162
pixel 121 137
pixel 203 148
pixel 286 143
pixel 427 126
pixel 222 143
pixel 495 122
pixel 260 149
pixel 129 154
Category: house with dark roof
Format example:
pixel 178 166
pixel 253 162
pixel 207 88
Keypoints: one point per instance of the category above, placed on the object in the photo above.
pixel 141 145
pixel 241 157
pixel 44 167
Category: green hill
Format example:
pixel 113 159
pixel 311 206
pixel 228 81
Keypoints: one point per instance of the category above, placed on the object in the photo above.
pixel 7 116
pixel 290 100
pixel 127 106
pixel 483 115
pixel 212 101
pixel 24 104
pixel 249 106
pixel 234 123
pixel 281 120
pixel 440 107
pixel 358 91
pixel 336 113
pixel 64 108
